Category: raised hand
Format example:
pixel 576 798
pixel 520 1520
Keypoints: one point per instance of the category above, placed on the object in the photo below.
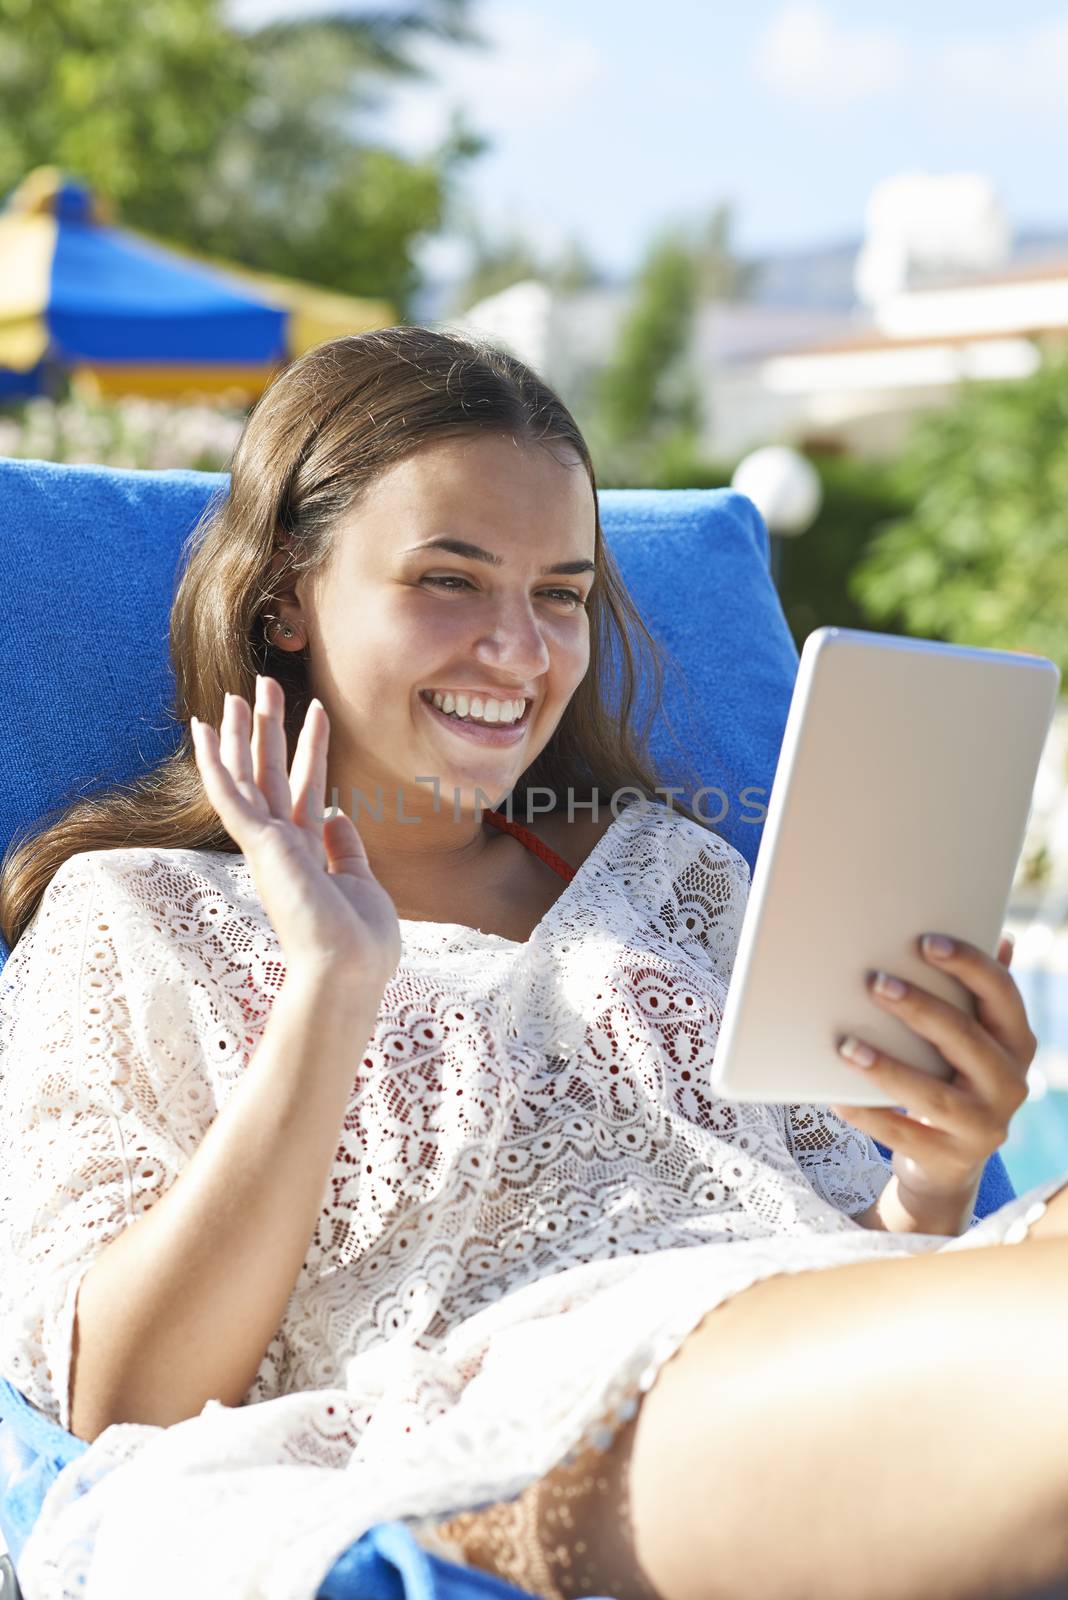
pixel 325 904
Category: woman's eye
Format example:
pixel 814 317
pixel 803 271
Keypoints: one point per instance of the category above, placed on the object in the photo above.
pixel 570 595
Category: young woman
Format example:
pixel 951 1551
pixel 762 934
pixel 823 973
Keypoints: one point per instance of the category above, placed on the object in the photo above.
pixel 366 1133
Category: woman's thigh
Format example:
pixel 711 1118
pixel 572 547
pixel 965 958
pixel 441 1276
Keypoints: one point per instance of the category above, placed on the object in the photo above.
pixel 877 1431
pixel 888 1429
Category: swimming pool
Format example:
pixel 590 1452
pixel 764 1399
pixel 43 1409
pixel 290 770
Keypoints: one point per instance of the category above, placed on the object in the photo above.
pixel 1037 1146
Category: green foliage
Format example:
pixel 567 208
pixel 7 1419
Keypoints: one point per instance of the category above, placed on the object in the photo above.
pixel 647 395
pixel 132 95
pixel 816 568
pixel 644 407
pixel 720 275
pixel 982 557
pixel 678 464
pixel 241 145
pixel 640 390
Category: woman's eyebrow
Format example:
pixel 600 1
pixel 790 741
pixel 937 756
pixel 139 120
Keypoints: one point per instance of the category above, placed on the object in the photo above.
pixel 475 552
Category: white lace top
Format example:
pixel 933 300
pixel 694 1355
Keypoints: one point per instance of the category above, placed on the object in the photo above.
pixel 536 1194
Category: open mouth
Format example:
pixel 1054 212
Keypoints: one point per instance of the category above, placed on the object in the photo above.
pixel 427 695
pixel 480 732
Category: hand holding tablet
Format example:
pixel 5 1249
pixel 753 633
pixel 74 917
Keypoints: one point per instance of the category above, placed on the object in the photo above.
pixel 949 1131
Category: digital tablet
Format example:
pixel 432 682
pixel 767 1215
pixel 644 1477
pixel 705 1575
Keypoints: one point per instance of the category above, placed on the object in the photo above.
pixel 899 807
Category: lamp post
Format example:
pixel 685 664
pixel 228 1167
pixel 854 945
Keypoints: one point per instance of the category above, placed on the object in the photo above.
pixel 786 490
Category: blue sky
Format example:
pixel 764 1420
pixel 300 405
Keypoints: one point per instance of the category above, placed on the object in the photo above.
pixel 611 118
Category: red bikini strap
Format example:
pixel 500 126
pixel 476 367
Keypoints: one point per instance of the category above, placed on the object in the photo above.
pixel 532 842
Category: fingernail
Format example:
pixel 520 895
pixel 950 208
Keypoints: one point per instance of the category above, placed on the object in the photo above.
pixel 935 944
pixel 859 1053
pixel 890 988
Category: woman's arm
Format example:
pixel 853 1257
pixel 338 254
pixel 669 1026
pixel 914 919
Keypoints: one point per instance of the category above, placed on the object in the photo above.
pixel 893 1213
pixel 181 1307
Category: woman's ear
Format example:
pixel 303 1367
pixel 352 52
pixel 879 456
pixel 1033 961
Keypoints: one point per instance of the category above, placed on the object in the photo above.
pixel 283 608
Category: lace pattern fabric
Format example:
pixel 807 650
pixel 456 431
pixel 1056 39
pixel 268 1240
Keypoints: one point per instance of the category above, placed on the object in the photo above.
pixel 536 1195
pixel 569 1534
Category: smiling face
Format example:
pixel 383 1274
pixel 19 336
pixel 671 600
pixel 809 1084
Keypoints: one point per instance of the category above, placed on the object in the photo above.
pixel 391 619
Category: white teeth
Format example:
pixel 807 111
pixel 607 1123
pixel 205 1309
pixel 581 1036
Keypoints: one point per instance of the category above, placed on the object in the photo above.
pixel 488 711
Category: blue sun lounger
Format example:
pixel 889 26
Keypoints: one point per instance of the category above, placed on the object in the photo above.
pixel 91 706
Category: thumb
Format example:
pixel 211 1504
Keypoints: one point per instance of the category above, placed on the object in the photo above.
pixel 1005 949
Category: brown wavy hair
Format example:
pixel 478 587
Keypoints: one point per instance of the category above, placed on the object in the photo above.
pixel 327 426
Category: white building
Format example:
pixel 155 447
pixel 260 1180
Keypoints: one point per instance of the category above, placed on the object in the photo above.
pixel 924 227
pixel 862 391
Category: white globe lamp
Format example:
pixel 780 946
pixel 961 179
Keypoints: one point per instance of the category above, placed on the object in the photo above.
pixel 786 490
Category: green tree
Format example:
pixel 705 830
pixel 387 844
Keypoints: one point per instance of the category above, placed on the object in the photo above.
pixel 858 500
pixel 645 407
pixel 647 395
pixel 721 275
pixel 982 558
pixel 245 145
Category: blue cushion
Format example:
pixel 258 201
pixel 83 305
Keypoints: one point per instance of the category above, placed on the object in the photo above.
pixel 33 1452
pixel 388 1564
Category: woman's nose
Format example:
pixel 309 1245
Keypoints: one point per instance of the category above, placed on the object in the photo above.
pixel 516 639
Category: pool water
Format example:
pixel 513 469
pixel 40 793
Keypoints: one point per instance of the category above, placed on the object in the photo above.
pixel 1037 1146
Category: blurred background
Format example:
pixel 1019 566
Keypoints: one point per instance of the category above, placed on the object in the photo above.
pixel 817 250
